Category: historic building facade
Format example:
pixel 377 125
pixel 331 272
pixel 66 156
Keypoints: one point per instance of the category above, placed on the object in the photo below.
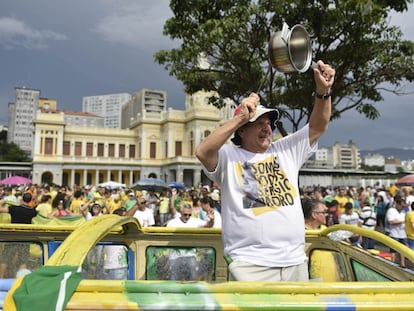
pixel 159 143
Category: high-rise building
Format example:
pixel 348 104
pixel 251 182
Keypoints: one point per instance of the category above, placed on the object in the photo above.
pixel 107 106
pixel 21 115
pixel 143 104
pixel 346 156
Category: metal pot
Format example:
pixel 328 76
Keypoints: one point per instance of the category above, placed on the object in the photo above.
pixel 290 50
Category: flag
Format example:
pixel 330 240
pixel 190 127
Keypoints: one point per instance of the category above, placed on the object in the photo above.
pixel 48 289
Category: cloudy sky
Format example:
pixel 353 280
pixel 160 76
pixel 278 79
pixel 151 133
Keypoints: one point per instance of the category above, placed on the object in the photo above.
pixel 71 49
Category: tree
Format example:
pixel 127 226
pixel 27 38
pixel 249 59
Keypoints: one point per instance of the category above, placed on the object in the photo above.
pixel 10 152
pixel 231 37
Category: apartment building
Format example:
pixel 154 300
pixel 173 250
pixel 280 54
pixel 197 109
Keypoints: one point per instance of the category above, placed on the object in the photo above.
pixel 346 156
pixel 109 107
pixel 21 115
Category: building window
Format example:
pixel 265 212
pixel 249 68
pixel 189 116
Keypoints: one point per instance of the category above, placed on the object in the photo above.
pixel 206 133
pixel 166 149
pixel 66 148
pixel 100 150
pixel 153 150
pixel 89 149
pixel 132 151
pixel 191 143
pixel 122 151
pixel 78 148
pixel 178 148
pixel 49 145
pixel 111 150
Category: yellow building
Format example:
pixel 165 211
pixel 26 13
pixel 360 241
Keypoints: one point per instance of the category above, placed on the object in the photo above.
pixel 158 144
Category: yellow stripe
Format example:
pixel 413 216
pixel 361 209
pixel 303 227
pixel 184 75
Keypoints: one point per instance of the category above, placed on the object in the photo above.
pixel 8 303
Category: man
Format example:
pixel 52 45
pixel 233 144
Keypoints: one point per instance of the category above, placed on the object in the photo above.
pixel 207 204
pixel 350 217
pixel 152 201
pixel 314 212
pixel 184 220
pixel 342 199
pixel 20 214
pixel 409 227
pixel 367 220
pixel 263 225
pixel 141 212
pixel 395 217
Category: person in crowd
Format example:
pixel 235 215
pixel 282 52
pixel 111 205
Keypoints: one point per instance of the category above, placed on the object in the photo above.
pixel 197 210
pixel 141 212
pixel 350 217
pixel 31 189
pixel 44 208
pixel 259 183
pixel 176 198
pixel 379 209
pixel 152 201
pixel 164 209
pixel 185 220
pixel 9 197
pixel 207 204
pixel 19 214
pixel 109 205
pixel 409 227
pixel 77 201
pixel 91 209
pixel 131 200
pixel 204 191
pixel 342 199
pixel 60 195
pixel 367 220
pixel 408 193
pixel 314 212
pixel 61 210
pixel 332 216
pixel 215 196
pixel 395 218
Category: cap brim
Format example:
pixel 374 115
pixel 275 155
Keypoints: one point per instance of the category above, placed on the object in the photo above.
pixel 260 111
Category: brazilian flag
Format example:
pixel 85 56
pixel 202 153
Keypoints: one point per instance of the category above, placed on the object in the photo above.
pixel 48 288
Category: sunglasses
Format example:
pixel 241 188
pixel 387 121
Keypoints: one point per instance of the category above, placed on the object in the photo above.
pixel 143 202
pixel 187 215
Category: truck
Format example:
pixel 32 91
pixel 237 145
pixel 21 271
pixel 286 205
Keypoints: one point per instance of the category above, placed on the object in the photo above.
pixel 186 269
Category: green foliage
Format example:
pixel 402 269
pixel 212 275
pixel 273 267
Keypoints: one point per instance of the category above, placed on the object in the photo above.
pixel 10 152
pixel 375 168
pixel 353 36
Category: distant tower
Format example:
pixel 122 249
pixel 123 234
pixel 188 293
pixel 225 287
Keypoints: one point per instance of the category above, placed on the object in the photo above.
pixel 107 106
pixel 21 115
pixel 144 102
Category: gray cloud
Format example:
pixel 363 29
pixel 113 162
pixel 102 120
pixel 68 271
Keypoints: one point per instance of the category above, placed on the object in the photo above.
pixel 15 33
pixel 136 24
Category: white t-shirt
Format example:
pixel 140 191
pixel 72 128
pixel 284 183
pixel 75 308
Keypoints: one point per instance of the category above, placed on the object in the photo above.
pixel 217 220
pixel 145 217
pixel 349 219
pixel 263 222
pixel 368 218
pixel 191 223
pixel 397 230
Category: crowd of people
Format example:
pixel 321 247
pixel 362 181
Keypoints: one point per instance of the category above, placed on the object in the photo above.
pixel 376 208
pixel 178 207
pixel 389 210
